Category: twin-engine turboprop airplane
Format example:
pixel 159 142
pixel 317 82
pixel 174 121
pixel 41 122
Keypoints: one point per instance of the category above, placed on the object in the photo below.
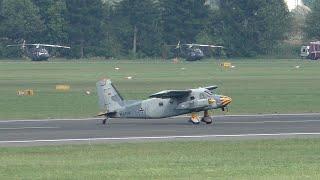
pixel 163 104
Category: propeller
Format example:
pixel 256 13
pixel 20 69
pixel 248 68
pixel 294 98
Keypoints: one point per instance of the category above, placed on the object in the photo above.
pixel 226 108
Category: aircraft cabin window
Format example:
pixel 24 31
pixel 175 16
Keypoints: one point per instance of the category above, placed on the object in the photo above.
pixel 192 97
pixel 160 103
pixel 202 96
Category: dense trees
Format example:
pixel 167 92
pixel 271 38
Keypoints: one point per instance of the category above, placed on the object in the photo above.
pixel 20 20
pixel 312 29
pixel 85 25
pixel 253 27
pixel 137 26
pixel 53 15
pixel 142 27
pixel 308 2
pixel 183 20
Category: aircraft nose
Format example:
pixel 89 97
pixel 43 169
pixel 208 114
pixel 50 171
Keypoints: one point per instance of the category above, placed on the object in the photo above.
pixel 225 100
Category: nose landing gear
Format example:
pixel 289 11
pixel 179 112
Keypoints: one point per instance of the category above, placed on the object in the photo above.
pixel 206 118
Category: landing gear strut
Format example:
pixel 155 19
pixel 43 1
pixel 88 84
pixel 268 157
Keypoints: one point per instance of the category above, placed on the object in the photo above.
pixel 195 119
pixel 104 121
pixel 206 118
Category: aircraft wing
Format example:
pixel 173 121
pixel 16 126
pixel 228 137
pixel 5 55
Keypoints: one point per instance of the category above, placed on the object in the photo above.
pixel 171 94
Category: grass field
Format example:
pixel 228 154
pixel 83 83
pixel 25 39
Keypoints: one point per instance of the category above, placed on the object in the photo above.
pixel 266 159
pixel 256 86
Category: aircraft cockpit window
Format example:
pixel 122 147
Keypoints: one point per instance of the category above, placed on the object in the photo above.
pixel 208 92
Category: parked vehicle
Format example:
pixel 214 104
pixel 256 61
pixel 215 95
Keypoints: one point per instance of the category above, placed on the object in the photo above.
pixel 312 51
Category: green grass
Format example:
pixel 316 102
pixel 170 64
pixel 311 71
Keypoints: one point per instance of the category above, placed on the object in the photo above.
pixel 256 86
pixel 266 159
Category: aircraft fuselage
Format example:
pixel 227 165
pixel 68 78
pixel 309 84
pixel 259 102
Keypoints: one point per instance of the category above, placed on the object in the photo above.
pixel 162 108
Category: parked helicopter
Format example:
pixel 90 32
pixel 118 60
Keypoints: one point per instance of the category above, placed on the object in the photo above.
pixel 192 52
pixel 37 52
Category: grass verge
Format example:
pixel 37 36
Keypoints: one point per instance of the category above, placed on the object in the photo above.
pixel 255 85
pixel 245 159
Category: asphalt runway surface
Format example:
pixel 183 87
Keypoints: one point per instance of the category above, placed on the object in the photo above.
pixel 68 131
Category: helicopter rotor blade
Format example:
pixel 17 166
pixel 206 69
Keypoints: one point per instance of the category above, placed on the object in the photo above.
pixel 49 45
pixel 204 45
pixel 14 45
pixel 38 45
pixel 55 46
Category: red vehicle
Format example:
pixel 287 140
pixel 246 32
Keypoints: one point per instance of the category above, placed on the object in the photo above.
pixel 312 51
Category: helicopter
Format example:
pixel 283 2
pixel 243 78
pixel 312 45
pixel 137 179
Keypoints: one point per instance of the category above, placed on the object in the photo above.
pixel 192 52
pixel 37 52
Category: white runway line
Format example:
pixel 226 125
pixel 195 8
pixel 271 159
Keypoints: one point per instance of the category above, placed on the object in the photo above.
pixel 21 128
pixel 258 115
pixel 95 118
pixel 46 120
pixel 161 137
pixel 263 122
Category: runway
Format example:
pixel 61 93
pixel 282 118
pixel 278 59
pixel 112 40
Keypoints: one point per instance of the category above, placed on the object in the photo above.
pixel 62 131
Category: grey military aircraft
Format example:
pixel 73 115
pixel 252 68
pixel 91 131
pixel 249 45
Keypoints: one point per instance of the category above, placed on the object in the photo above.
pixel 163 104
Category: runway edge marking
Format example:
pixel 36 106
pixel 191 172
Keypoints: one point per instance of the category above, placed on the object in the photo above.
pixel 94 118
pixel 159 137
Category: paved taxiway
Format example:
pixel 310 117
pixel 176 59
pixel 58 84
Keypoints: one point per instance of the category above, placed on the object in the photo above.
pixel 38 132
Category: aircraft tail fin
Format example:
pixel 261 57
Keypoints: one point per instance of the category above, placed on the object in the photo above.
pixel 109 98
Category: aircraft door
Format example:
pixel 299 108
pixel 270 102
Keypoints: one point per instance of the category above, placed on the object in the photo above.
pixel 143 110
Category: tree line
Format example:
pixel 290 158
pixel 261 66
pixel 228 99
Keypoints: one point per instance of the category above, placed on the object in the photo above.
pixel 143 28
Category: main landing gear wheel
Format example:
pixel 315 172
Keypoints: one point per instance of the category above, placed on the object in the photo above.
pixel 207 120
pixel 206 117
pixel 194 119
